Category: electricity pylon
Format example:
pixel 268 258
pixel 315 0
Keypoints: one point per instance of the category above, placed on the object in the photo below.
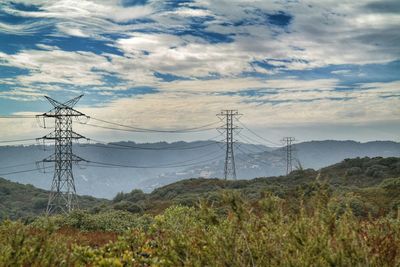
pixel 62 198
pixel 288 141
pixel 229 128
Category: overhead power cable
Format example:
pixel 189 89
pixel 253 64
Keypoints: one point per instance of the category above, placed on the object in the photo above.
pixel 23 171
pixel 245 160
pixel 252 158
pixel 136 147
pixel 263 151
pixel 142 131
pixel 18 165
pixel 17 116
pixel 17 140
pixel 252 142
pixel 139 129
pixel 105 164
pixel 259 136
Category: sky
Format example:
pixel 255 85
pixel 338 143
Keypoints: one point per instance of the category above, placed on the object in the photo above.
pixel 315 70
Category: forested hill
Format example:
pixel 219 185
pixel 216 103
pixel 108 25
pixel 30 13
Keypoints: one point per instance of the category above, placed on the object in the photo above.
pixel 372 179
pixel 376 182
pixel 24 201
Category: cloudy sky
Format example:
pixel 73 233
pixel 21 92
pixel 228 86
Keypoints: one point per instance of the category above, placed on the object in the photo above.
pixel 310 69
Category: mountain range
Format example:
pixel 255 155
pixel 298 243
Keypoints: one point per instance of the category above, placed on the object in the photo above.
pixel 122 166
pixel 370 184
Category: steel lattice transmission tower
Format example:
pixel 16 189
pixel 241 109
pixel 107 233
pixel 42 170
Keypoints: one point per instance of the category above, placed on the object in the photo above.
pixel 288 141
pixel 229 128
pixel 62 198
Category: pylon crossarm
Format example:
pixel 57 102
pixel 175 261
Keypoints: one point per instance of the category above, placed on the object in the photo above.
pixel 57 114
pixel 51 136
pixel 50 158
pixel 71 103
pixel 76 158
pixel 68 104
pixel 75 135
pixel 55 103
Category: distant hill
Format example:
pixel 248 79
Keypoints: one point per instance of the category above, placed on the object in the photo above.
pixel 374 180
pixel 318 154
pixel 178 161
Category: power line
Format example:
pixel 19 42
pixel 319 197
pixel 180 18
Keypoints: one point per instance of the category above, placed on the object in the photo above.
pixel 105 164
pixel 123 146
pixel 261 150
pixel 252 141
pixel 178 163
pixel 23 171
pixel 139 129
pixel 142 131
pixel 252 158
pixel 17 116
pixel 17 140
pixel 259 136
pixel 18 165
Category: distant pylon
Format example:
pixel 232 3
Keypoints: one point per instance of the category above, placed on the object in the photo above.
pixel 288 141
pixel 229 128
pixel 62 198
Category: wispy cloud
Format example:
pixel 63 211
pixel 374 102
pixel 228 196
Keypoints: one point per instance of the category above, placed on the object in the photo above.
pixel 291 61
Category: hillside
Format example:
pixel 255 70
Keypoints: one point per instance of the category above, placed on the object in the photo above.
pixel 205 159
pixel 370 178
pixel 24 201
pixel 373 180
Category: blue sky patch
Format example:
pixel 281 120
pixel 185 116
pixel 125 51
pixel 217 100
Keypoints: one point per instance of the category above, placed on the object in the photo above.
pixel 73 43
pixel 128 3
pixel 11 72
pixel 167 77
pixel 172 4
pixel 280 19
pixel 25 7
pixel 139 90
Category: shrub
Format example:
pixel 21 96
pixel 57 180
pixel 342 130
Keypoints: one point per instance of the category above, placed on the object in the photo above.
pixel 323 230
pixel 353 171
pixel 128 206
pixel 376 171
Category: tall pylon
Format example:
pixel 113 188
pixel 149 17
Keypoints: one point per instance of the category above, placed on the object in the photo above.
pixel 288 141
pixel 62 197
pixel 228 116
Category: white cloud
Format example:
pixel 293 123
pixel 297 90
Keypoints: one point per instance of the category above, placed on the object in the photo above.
pixel 320 34
pixel 341 72
pixel 57 66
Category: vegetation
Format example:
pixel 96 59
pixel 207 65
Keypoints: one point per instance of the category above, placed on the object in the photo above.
pixel 323 231
pixel 344 215
pixel 18 201
pixel 371 180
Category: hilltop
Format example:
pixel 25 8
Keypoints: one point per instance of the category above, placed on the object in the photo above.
pixel 369 178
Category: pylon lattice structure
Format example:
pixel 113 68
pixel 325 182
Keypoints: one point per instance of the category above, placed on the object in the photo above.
pixel 62 198
pixel 229 128
pixel 288 141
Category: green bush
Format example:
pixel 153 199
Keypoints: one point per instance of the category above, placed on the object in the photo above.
pixel 108 221
pixel 323 232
